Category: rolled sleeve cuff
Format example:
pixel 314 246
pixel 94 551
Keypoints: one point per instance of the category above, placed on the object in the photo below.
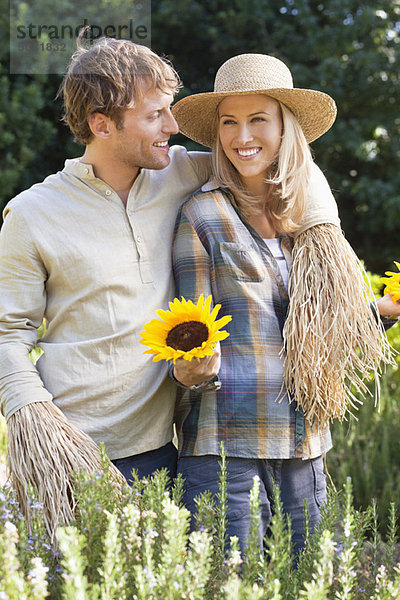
pixel 20 385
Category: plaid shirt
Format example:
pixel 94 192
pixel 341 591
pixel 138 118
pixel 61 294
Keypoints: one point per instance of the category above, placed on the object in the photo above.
pixel 217 252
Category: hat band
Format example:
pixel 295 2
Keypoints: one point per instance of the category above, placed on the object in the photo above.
pixel 243 84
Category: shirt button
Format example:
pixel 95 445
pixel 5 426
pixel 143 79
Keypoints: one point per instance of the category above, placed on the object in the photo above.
pixel 87 171
pixel 139 239
pixel 108 192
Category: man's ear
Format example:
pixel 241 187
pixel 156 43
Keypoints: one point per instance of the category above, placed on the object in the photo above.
pixel 100 125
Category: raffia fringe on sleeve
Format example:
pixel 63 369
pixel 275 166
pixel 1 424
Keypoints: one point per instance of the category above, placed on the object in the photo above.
pixel 334 343
pixel 44 451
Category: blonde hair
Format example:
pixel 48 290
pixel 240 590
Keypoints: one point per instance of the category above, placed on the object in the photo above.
pixel 109 77
pixel 285 200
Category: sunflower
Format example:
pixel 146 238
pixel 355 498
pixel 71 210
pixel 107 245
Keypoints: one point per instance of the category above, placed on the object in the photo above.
pixel 392 283
pixel 186 331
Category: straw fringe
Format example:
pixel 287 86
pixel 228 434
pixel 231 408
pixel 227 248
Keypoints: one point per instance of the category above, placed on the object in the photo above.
pixel 44 451
pixel 332 339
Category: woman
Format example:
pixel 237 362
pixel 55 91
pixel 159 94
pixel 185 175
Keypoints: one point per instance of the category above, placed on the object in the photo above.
pixel 234 240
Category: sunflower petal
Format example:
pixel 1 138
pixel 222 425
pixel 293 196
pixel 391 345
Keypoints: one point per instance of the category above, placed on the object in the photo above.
pixel 392 283
pixel 221 335
pixel 222 321
pixel 215 311
pixel 205 307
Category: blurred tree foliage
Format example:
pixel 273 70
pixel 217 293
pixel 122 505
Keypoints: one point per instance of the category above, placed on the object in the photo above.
pixel 349 50
pixel 32 141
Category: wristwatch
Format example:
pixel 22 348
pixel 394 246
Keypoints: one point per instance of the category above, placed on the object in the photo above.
pixel 212 385
pixel 388 321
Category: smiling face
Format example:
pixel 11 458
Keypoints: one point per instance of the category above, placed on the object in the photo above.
pixel 142 142
pixel 250 130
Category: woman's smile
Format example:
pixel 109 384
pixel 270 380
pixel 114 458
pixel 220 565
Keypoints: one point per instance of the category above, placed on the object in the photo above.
pixel 250 130
pixel 246 153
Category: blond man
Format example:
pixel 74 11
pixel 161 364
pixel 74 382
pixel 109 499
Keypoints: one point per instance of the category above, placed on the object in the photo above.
pixel 88 249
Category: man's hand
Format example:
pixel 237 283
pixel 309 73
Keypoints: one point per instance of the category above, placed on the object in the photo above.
pixel 387 308
pixel 198 370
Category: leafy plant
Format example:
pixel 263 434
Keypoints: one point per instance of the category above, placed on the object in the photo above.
pixel 138 545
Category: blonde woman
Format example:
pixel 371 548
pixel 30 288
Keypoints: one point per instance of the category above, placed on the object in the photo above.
pixel 234 239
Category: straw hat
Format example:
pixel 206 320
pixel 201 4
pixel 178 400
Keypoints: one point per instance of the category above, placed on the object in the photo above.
pixel 254 74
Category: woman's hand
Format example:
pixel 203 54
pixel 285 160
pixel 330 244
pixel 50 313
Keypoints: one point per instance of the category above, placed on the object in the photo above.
pixel 198 370
pixel 387 308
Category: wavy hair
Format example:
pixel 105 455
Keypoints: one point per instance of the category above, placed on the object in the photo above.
pixel 286 195
pixel 109 77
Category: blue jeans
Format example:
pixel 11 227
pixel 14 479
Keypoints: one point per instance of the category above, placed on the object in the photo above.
pixel 148 462
pixel 297 480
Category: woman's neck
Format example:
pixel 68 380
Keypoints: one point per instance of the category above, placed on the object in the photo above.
pixel 260 221
pixel 262 225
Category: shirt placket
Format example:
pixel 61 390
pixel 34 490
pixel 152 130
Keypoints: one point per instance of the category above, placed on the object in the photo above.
pixel 137 235
pixel 138 238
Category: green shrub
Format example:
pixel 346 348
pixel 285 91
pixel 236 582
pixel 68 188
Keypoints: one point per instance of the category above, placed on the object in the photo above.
pixel 367 446
pixel 138 546
pixel 368 451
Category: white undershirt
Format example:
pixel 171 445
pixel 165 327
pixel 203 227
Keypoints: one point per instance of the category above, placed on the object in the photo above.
pixel 274 244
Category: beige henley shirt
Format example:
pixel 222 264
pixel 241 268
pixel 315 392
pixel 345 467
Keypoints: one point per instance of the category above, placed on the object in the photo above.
pixel 70 251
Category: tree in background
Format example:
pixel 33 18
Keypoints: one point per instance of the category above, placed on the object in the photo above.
pixel 347 50
pixel 32 143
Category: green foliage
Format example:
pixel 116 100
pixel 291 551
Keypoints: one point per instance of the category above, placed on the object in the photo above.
pixel 367 450
pixel 348 554
pixel 71 545
pixel 349 50
pixel 33 142
pixel 3 439
pixel 252 554
pixel 143 550
pixel 36 351
pixel 367 446
pixel 322 570
pixel 221 513
pixel 278 565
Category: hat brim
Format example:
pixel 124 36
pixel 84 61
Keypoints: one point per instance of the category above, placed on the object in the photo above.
pixel 315 111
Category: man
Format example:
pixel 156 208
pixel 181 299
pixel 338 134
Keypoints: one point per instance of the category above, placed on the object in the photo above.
pixel 89 250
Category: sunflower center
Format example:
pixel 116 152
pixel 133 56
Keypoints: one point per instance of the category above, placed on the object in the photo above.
pixel 188 335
